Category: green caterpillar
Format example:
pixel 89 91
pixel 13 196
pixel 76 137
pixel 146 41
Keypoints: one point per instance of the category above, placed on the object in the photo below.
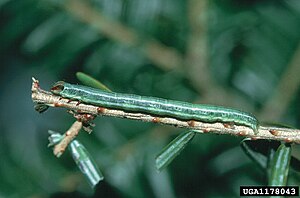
pixel 155 106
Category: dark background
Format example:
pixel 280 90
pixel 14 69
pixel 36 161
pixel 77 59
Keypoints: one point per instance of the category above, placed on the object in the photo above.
pixel 243 54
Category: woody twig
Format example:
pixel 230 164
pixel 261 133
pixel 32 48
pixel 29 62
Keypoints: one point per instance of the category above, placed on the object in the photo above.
pixel 264 132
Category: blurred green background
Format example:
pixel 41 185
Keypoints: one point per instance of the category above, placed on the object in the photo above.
pixel 243 54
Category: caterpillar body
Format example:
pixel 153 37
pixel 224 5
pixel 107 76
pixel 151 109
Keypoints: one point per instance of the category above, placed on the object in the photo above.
pixel 155 106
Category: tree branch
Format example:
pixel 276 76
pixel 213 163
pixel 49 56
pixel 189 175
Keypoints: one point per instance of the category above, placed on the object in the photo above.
pixel 264 132
pixel 166 58
pixel 197 49
pixel 289 85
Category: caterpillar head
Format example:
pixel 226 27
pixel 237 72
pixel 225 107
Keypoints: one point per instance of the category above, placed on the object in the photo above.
pixel 57 87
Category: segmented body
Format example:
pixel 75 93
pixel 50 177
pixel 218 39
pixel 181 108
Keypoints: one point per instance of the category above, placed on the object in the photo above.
pixel 155 106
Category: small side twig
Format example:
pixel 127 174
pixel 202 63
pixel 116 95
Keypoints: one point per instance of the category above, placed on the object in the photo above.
pixel 264 132
pixel 69 136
